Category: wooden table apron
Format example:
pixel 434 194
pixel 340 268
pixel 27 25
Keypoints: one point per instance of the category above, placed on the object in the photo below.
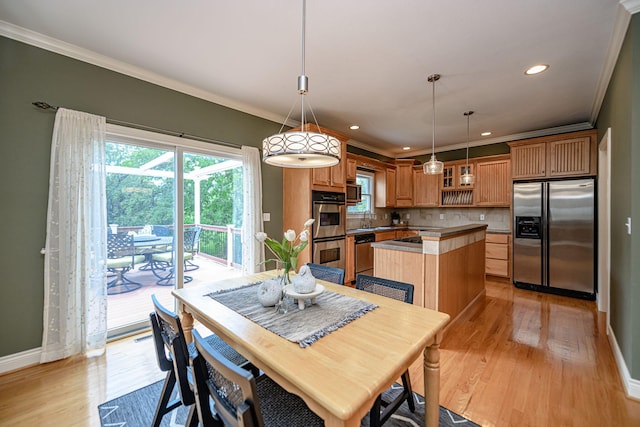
pixel 340 375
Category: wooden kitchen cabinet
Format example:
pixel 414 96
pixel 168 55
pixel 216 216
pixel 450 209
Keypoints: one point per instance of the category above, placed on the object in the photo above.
pixel 326 179
pixel 385 181
pixel 350 261
pixel 452 192
pixel 452 173
pixel 556 156
pixel 404 183
pixel 426 189
pixel 351 169
pixel 385 235
pixel 497 255
pixel 493 182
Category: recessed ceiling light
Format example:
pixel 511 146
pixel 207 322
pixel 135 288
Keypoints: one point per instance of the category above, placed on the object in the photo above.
pixel 406 148
pixel 485 133
pixel 354 127
pixel 536 69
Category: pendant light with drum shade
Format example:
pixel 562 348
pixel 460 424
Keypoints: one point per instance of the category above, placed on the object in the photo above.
pixel 467 178
pixel 433 166
pixel 301 149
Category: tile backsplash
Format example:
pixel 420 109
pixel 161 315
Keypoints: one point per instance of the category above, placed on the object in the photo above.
pixel 495 218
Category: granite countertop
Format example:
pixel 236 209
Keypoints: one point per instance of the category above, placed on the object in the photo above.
pixel 435 232
pixel 374 229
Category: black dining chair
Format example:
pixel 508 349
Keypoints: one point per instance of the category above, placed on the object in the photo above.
pixel 239 398
pixel 173 354
pixel 330 274
pixel 382 410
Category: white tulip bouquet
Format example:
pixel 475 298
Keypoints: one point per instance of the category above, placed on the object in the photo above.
pixel 289 248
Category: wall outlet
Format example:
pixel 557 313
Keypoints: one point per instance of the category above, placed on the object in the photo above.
pixel 441 216
pixel 266 216
pixel 408 216
pixel 386 216
pixel 481 217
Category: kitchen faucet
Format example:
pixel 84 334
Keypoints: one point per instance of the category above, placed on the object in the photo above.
pixel 366 223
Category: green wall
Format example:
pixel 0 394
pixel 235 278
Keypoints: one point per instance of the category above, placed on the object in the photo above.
pixel 445 156
pixel 30 74
pixel 620 111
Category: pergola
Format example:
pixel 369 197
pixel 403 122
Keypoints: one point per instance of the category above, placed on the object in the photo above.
pixel 197 175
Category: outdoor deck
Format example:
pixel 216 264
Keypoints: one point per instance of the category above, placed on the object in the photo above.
pixel 131 307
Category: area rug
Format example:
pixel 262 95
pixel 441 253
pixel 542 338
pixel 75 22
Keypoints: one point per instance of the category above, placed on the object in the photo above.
pixel 136 409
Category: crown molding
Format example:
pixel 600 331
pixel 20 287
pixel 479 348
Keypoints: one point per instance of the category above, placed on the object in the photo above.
pixel 76 52
pixel 632 6
pixel 488 141
pixel 623 17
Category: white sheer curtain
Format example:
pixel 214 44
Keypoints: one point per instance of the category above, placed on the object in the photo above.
pixel 252 251
pixel 75 298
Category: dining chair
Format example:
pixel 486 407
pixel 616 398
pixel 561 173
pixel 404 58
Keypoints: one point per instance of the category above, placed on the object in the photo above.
pixel 330 274
pixel 173 354
pixel 382 410
pixel 239 398
pixel 121 258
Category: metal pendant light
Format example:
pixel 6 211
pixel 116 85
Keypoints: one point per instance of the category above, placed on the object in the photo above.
pixel 433 166
pixel 301 149
pixel 467 178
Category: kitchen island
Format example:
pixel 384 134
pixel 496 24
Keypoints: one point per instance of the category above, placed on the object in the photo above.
pixel 445 265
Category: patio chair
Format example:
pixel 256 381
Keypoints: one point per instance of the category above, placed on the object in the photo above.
pixel 330 274
pixel 173 354
pixel 121 258
pixel 239 398
pixel 382 410
pixel 191 245
pixel 163 261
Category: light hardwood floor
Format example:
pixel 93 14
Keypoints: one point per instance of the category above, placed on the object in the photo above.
pixel 518 358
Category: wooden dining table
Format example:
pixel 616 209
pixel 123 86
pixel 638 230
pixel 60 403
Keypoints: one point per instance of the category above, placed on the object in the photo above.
pixel 340 375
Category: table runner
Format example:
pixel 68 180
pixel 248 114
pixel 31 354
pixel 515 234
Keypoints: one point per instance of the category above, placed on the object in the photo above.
pixel 330 312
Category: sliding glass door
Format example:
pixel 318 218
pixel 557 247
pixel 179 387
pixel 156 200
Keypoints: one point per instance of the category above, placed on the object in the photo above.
pixel 144 209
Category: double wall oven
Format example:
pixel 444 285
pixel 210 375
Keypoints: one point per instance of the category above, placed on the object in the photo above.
pixel 329 244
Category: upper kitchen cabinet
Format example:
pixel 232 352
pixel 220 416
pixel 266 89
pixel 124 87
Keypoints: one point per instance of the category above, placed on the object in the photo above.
pixel 327 179
pixel 352 165
pixel 404 182
pixel 452 192
pixel 426 188
pixel 493 181
pixel 556 156
pixel 452 173
pixel 386 187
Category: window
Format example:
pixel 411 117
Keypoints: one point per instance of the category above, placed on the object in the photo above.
pixel 365 180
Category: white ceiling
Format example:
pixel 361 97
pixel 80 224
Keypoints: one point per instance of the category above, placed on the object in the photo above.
pixel 367 61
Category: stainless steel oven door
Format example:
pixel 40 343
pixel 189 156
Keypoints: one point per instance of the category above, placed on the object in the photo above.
pixel 330 252
pixel 329 220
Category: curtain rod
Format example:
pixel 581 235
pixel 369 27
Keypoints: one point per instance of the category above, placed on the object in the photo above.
pixel 46 106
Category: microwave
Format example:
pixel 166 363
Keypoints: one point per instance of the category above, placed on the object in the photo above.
pixel 354 194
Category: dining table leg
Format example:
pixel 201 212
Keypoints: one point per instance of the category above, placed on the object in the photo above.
pixel 432 382
pixel 186 319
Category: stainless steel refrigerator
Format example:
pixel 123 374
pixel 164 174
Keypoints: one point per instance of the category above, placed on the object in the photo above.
pixel 554 243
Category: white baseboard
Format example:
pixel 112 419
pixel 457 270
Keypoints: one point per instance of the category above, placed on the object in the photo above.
pixel 631 386
pixel 20 360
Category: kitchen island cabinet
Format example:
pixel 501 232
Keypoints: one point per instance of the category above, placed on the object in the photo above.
pixel 447 269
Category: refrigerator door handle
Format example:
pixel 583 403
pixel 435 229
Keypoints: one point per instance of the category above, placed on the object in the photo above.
pixel 545 232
